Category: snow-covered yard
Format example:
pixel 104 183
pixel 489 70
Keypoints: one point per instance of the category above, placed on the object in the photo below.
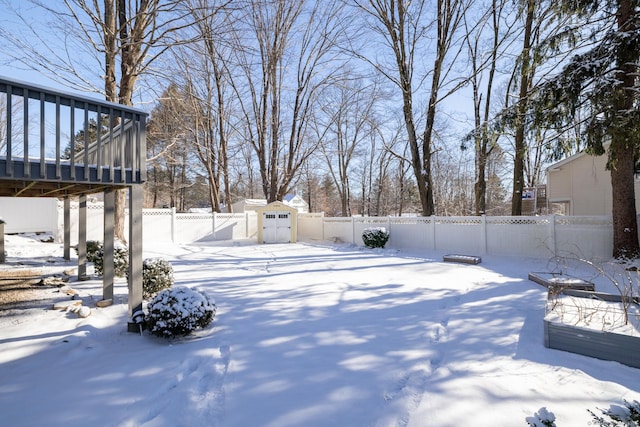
pixel 305 334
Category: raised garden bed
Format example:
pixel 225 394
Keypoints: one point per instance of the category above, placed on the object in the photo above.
pixel 556 282
pixel 593 324
pixel 465 259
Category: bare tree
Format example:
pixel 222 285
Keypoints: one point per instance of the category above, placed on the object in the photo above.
pixel 484 55
pixel 293 46
pixel 403 25
pixel 202 67
pixel 345 125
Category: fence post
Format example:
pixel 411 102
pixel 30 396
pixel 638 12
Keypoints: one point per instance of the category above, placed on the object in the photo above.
pixel 213 224
pixel 433 232
pixel 173 225
pixel 484 234
pixel 552 233
pixel 353 230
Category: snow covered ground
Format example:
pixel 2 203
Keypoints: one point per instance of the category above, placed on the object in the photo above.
pixel 306 334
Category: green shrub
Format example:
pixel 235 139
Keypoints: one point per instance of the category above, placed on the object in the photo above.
pixel 179 311
pixel 157 275
pixel 375 237
pixel 95 255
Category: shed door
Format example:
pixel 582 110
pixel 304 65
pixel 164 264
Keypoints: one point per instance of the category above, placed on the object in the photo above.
pixel 276 227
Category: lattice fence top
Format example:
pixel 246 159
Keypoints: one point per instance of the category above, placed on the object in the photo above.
pixel 371 220
pixel 410 220
pixel 518 220
pixel 194 216
pixel 583 220
pixel 339 220
pixel 156 212
pixel 459 220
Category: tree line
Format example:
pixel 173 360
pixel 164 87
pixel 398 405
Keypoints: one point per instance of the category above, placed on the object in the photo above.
pixel 370 107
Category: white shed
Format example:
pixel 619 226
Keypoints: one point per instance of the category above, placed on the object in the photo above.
pixel 277 223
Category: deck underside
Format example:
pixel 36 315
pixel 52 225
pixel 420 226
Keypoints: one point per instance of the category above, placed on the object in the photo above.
pixel 59 180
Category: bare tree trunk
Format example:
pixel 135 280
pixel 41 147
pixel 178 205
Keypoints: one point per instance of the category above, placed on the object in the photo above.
pixel 622 152
pixel 400 24
pixel 520 145
pixel 482 135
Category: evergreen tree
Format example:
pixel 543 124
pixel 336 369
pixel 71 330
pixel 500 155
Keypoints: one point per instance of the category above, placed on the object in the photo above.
pixel 603 81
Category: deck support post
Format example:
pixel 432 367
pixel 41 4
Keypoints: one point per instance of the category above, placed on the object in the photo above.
pixel 67 229
pixel 82 238
pixel 135 249
pixel 108 258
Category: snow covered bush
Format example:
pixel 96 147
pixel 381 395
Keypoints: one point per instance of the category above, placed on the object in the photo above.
pixel 618 416
pixel 95 255
pixel 179 311
pixel 542 418
pixel 375 237
pixel 157 274
pixel 615 416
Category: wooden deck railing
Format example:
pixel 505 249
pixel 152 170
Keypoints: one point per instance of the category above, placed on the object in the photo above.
pixel 43 133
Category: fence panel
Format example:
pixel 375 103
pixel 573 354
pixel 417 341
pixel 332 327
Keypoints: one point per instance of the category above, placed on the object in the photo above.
pixel 310 226
pixel 29 214
pixel 584 237
pixel 192 227
pixel 157 225
pixel 231 226
pixel 411 233
pixel 339 229
pixel 523 236
pixel 460 234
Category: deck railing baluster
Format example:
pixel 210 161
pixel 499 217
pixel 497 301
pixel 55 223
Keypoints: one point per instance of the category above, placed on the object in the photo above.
pixel 9 136
pixel 86 142
pixel 72 138
pixel 25 125
pixel 99 141
pixel 58 172
pixel 43 145
pixel 113 137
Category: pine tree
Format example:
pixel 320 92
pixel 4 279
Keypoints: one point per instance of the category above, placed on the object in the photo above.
pixel 603 81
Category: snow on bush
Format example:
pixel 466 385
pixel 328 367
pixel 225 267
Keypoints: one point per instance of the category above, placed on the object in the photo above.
pixel 616 415
pixel 95 255
pixel 178 312
pixel 375 237
pixel 542 418
pixel 157 274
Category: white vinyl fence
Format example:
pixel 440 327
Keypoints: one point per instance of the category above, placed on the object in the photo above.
pixel 166 225
pixel 535 236
pixel 29 214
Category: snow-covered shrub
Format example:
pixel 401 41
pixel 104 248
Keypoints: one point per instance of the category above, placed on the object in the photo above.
pixel 95 255
pixel 157 274
pixel 179 311
pixel 375 237
pixel 94 251
pixel 616 415
pixel 542 418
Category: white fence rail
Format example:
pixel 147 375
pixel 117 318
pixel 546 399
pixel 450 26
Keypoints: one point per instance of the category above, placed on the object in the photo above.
pixel 537 236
